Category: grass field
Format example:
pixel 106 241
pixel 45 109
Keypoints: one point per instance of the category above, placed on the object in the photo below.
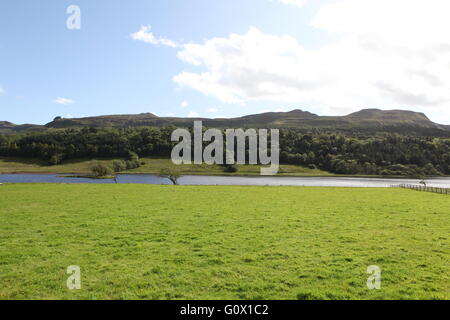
pixel 152 165
pixel 182 242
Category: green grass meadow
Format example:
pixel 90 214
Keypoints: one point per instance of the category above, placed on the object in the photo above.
pixel 184 242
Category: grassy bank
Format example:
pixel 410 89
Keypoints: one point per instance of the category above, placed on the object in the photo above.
pixel 152 165
pixel 166 242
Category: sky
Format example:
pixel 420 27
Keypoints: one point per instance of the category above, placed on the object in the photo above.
pixel 222 58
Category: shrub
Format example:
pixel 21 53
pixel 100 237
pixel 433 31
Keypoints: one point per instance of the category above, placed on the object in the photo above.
pixel 101 170
pixel 133 164
pixel 431 170
pixel 133 161
pixel 118 165
pixel 132 156
pixel 231 168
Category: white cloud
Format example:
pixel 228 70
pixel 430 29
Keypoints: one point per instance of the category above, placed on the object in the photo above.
pixel 253 66
pixel 415 23
pixel 144 34
pixel 298 3
pixel 2 92
pixel 193 114
pixel 212 110
pixel 63 101
pixel 387 54
pixel 184 104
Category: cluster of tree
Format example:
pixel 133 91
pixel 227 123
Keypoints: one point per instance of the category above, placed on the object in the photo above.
pixel 57 145
pixel 116 166
pixel 383 154
pixel 132 162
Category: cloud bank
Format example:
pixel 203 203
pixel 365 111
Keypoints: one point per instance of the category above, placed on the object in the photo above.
pixel 390 54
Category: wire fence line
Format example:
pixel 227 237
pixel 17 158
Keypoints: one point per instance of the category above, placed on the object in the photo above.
pixel 423 188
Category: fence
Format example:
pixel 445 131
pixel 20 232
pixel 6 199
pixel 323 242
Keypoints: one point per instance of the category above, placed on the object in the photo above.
pixel 423 188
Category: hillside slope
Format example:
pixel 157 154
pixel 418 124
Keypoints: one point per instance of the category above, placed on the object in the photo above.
pixel 364 120
pixel 8 127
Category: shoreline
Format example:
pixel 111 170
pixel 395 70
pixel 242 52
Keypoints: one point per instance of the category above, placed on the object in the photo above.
pixel 86 175
pixel 153 165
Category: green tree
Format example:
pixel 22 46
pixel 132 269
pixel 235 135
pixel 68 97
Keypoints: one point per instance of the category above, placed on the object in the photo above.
pixel 101 170
pixel 119 165
pixel 170 173
pixel 55 159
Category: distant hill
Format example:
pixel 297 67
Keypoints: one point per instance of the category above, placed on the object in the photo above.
pixel 148 119
pixel 124 120
pixel 8 127
pixel 390 116
pixel 364 120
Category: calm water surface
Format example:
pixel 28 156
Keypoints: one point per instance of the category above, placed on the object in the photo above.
pixel 219 180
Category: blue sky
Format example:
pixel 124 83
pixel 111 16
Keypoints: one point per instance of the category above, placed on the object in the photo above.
pixel 47 70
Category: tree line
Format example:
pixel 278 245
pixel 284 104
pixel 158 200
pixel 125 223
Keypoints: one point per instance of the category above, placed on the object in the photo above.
pixel 342 153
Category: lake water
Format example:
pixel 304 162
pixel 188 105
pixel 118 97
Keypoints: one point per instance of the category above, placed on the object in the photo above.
pixel 233 180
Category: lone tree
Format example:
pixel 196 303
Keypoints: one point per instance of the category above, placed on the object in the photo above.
pixel 422 180
pixel 170 173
